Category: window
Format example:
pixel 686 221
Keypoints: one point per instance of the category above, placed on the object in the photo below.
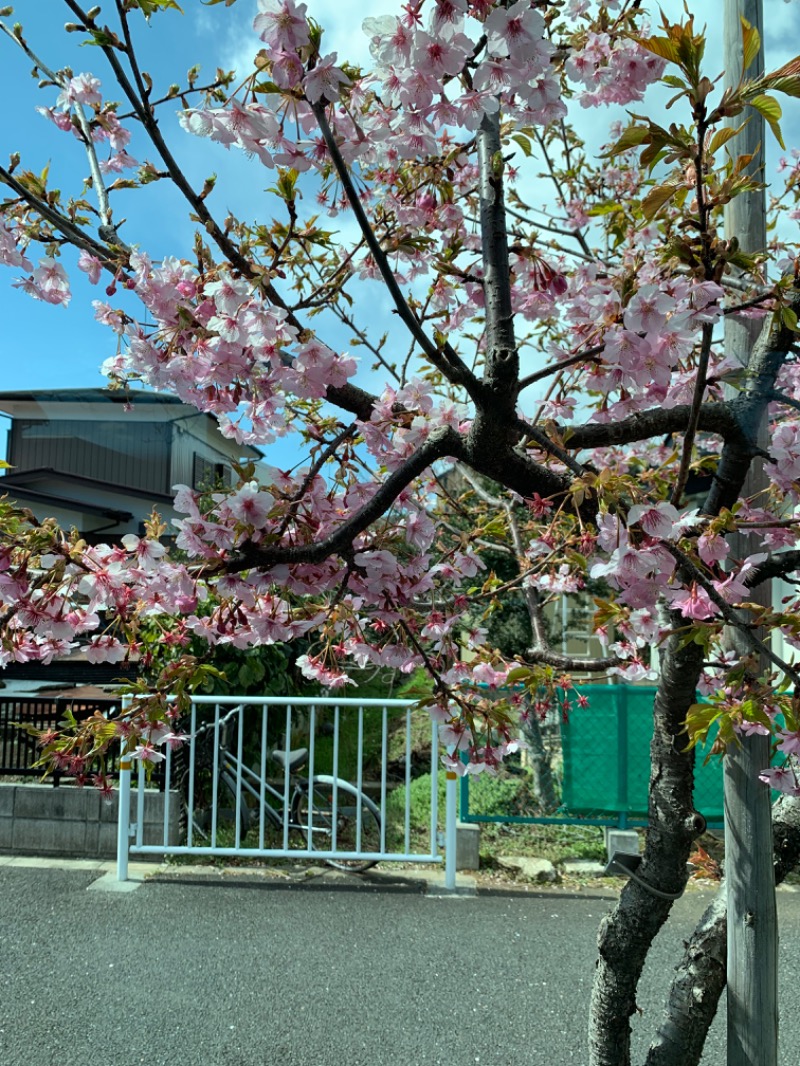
pixel 210 475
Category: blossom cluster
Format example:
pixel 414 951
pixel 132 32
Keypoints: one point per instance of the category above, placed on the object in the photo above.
pixel 247 572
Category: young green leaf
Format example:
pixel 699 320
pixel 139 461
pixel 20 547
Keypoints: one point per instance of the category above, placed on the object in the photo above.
pixel 785 79
pixel 149 6
pixel 769 107
pixel 722 136
pixel 751 43
pixel 660 46
pixel 631 137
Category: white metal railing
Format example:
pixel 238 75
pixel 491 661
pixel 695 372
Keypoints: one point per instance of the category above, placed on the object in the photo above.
pixel 245 792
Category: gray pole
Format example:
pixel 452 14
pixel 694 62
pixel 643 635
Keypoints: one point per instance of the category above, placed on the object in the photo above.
pixel 752 917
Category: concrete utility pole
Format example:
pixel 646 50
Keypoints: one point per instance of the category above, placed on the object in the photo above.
pixel 750 881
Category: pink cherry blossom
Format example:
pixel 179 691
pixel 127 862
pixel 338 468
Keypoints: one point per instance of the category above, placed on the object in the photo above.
pixel 83 89
pixel 91 266
pixel 782 779
pixel 658 520
pixel 49 283
pixel 325 80
pixel 282 24
pixel 712 548
pixel 147 752
pixel 694 603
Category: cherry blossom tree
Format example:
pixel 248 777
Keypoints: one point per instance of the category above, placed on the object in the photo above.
pixel 554 333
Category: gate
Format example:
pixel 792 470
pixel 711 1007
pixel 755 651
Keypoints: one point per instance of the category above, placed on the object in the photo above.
pixel 298 778
pixel 18 750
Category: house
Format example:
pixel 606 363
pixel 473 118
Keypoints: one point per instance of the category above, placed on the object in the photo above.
pixel 101 461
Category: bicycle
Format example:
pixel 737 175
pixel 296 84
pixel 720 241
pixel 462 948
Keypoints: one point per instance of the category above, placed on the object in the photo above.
pixel 328 812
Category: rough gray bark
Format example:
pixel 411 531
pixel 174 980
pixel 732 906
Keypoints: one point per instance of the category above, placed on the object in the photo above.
pixel 700 976
pixel 627 933
pixel 540 765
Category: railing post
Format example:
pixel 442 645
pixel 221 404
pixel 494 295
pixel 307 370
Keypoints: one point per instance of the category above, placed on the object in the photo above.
pixel 124 811
pixel 450 833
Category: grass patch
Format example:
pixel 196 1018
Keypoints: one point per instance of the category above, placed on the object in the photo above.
pixel 491 796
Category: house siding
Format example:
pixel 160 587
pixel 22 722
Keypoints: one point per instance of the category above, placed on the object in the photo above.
pixel 133 454
pixel 189 455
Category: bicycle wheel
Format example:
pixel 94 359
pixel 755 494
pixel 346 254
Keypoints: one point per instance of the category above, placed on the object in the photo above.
pixel 202 811
pixel 317 810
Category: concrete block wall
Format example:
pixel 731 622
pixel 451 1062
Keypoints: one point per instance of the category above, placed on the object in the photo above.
pixel 75 822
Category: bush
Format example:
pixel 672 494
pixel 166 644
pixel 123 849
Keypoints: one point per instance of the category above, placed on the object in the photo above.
pixel 487 795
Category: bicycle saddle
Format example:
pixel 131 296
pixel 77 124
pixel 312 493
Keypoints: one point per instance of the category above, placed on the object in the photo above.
pixel 296 757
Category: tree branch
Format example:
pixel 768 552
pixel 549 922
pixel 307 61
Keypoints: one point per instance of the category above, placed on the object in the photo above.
pixel 730 614
pixel 442 442
pixel 501 371
pixel 104 208
pixel 778 565
pixel 72 233
pixel 718 418
pixel 445 359
pixel 694 415
pixel 563 364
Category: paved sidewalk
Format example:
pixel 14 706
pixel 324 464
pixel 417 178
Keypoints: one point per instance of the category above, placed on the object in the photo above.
pixel 250 969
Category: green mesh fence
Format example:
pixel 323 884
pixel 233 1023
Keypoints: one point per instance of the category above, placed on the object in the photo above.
pixel 598 766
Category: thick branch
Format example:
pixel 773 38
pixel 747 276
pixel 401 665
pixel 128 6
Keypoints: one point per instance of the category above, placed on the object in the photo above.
pixel 778 565
pixel 442 442
pixel 501 370
pixel 570 663
pixel 444 358
pixel 719 418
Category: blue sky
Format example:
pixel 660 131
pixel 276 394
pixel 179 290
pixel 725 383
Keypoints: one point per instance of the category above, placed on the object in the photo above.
pixel 51 347
pixel 44 346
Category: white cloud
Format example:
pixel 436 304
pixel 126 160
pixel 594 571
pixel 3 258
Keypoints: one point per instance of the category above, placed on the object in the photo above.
pixel 343 33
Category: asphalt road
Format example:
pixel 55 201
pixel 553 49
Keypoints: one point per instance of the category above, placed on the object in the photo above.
pixel 253 974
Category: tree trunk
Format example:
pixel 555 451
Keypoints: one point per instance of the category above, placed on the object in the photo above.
pixel 700 976
pixel 627 933
pixel 539 758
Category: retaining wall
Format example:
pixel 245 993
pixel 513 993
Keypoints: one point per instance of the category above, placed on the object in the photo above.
pixel 75 822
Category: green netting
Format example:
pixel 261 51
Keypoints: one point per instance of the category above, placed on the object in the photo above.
pixel 599 759
pixel 606 749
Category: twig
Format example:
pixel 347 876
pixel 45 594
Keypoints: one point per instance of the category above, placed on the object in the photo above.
pixel 729 614
pixel 694 415
pixel 104 208
pixel 573 360
pixel 445 359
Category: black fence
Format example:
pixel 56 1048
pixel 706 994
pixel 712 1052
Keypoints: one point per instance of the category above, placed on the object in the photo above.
pixel 19 750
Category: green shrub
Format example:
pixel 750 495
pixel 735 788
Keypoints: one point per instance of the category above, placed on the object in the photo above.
pixel 487 795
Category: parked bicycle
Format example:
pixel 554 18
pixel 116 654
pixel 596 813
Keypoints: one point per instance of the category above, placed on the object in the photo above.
pixel 327 813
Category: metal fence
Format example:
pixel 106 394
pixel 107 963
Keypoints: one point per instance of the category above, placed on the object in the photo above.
pixel 328 779
pixel 590 766
pixel 19 750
